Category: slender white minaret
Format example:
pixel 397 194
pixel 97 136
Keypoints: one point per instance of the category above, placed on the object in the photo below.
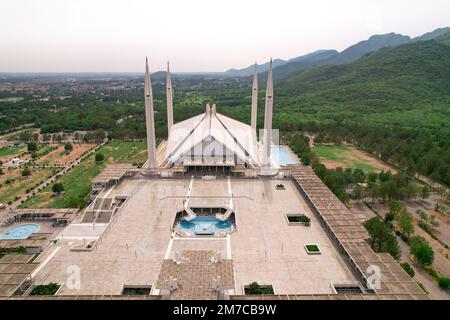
pixel 268 119
pixel 169 92
pixel 149 119
pixel 254 99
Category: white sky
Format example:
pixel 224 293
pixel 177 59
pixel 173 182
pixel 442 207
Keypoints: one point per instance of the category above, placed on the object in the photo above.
pixel 195 35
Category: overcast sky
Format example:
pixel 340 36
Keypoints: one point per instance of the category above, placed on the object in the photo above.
pixel 195 35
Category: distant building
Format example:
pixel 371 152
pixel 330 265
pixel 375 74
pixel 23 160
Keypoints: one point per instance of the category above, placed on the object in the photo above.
pixel 15 163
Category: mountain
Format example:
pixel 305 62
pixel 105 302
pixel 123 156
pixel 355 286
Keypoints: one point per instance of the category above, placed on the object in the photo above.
pixel 445 38
pixel 315 56
pixel 302 63
pixel 283 68
pixel 249 70
pixel 372 44
pixel 407 84
pixel 434 34
pixel 262 68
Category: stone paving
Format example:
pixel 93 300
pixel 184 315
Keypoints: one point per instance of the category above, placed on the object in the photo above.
pixel 195 274
pixel 264 248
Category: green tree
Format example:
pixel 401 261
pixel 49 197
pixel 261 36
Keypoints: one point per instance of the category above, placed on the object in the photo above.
pixel 26 172
pixel 405 222
pixel 58 188
pixel 421 250
pixel 382 239
pixel 425 192
pixel 444 282
pixel 305 159
pixel 358 192
pixel 99 157
pixel 32 146
pixel 68 147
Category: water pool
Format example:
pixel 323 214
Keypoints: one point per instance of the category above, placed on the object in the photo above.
pixel 205 226
pixel 20 232
pixel 282 156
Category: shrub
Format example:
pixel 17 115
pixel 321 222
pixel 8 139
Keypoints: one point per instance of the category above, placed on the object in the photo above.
pixel 32 146
pixel 409 270
pixel 421 250
pixel 58 187
pixel 68 147
pixel 99 157
pixel 26 172
pixel 444 282
pixel 45 290
pixel 255 288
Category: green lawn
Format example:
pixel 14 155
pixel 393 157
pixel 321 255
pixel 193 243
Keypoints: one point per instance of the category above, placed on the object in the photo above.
pixel 8 192
pixel 77 182
pixel 348 157
pixel 11 151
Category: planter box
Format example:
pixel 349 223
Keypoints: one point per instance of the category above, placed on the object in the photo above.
pixel 312 249
pixel 290 219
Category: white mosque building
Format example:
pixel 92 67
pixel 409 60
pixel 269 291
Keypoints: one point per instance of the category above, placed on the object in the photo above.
pixel 211 142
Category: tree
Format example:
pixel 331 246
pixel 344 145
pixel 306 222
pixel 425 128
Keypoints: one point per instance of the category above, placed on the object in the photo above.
pixel 405 222
pixel 372 177
pixel 444 282
pixel 382 238
pixel 425 192
pixel 58 188
pixel 68 147
pixel 99 157
pixel 389 217
pixel 358 192
pixel 359 176
pixel 305 159
pixel 32 146
pixel 26 172
pixel 421 250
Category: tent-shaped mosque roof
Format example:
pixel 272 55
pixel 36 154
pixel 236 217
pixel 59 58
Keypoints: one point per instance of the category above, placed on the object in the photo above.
pixel 237 137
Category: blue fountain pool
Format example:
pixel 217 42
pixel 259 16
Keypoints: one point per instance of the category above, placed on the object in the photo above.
pixel 206 226
pixel 282 156
pixel 20 232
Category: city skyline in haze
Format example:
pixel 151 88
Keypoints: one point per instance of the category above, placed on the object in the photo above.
pixel 196 36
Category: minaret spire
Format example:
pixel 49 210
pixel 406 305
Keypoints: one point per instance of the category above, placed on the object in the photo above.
pixel 254 98
pixel 149 119
pixel 169 93
pixel 268 119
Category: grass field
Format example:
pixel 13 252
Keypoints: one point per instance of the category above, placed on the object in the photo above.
pixel 18 184
pixel 11 152
pixel 77 182
pixel 349 157
pixel 58 156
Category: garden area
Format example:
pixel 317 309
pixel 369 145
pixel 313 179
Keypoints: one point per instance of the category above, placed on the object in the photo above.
pixel 16 182
pixel 345 156
pixel 77 182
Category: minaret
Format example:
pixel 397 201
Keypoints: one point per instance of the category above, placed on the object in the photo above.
pixel 254 99
pixel 169 93
pixel 268 119
pixel 149 119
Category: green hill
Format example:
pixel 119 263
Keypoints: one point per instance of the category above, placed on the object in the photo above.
pixel 393 103
pixel 406 86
